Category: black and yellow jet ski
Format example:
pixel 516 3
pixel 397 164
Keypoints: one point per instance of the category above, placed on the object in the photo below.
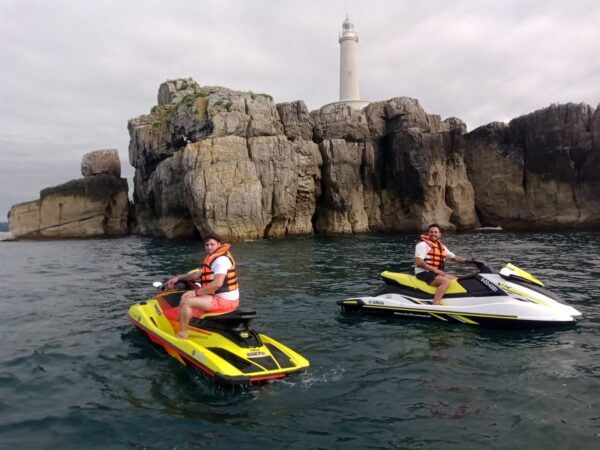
pixel 511 298
pixel 221 345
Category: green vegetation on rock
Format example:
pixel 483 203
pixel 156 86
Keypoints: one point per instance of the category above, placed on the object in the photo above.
pixel 225 104
pixel 253 95
pixel 267 96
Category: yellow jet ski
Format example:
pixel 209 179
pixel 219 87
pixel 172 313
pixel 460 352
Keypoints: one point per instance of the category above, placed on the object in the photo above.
pixel 221 345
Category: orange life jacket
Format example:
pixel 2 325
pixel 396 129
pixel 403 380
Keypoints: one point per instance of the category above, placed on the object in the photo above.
pixel 436 256
pixel 230 283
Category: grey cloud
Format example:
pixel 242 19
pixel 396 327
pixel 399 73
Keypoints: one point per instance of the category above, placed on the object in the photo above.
pixel 74 73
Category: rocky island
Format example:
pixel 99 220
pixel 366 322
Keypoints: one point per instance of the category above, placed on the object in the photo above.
pixel 92 206
pixel 235 163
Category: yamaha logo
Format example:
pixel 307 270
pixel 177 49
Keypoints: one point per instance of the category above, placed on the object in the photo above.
pixel 489 284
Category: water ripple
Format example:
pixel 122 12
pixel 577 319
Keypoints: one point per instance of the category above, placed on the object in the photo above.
pixel 75 374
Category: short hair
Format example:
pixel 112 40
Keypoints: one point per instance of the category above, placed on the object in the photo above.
pixel 214 236
pixel 434 225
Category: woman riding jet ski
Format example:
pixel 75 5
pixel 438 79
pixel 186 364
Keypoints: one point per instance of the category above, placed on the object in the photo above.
pixel 222 345
pixel 511 298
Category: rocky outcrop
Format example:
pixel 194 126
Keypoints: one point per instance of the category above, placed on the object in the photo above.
pixel 101 162
pixel 537 172
pixel 224 161
pixel 296 120
pixel 94 206
pixel 212 159
pixel 341 207
pixel 394 168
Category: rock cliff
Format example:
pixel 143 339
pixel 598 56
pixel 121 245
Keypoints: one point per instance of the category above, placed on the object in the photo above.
pixel 393 167
pixel 213 159
pixel 539 171
pixel 93 206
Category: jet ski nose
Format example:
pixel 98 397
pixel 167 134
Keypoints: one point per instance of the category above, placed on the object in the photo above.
pixel 572 312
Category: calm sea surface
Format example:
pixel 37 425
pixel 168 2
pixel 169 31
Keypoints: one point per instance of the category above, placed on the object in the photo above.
pixel 75 374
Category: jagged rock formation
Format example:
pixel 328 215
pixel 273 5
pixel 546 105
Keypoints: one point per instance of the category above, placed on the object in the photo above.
pixel 210 159
pixel 96 205
pixel 393 167
pixel 213 159
pixel 219 160
pixel 101 162
pixel 540 170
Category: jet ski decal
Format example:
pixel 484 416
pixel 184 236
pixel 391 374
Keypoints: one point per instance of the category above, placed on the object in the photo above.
pixel 434 315
pixel 441 313
pixel 508 288
pixel 464 319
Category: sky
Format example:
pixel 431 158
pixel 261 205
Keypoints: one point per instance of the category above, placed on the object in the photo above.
pixel 72 73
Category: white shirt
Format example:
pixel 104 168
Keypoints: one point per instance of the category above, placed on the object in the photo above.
pixel 421 251
pixel 220 266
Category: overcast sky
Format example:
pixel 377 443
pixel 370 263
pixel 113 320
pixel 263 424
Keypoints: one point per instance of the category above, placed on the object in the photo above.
pixel 74 72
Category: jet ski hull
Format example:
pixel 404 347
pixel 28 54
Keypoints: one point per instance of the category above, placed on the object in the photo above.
pixel 229 354
pixel 446 314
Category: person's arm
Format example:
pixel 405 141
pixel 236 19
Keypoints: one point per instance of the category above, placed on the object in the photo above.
pixel 184 277
pixel 219 267
pixel 211 287
pixel 420 262
pixel 453 257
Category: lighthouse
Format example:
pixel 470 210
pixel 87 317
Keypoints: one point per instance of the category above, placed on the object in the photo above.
pixel 349 89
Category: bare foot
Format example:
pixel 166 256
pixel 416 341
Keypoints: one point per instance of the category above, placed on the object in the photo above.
pixel 182 334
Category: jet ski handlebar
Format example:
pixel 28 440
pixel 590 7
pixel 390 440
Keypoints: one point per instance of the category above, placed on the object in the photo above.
pixel 482 266
pixel 181 284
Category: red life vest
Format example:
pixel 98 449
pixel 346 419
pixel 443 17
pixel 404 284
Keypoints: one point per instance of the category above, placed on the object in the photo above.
pixel 230 283
pixel 436 256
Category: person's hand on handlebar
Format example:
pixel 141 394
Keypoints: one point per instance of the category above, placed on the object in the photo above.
pixel 172 282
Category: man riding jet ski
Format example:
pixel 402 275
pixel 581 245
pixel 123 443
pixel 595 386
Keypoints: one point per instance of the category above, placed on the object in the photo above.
pixel 511 298
pixel 202 326
pixel 221 344
pixel 430 261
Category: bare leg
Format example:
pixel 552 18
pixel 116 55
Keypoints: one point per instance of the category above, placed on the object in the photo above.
pixel 442 282
pixel 189 301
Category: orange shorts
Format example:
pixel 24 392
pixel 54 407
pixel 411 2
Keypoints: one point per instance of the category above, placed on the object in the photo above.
pixel 221 304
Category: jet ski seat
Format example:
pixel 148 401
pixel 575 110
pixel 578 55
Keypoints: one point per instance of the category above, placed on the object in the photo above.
pixel 237 320
pixel 404 279
pixel 218 315
pixel 236 314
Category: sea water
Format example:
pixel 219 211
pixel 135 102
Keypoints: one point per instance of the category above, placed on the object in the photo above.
pixel 75 374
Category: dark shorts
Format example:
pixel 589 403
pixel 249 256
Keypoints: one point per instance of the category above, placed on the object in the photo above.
pixel 428 276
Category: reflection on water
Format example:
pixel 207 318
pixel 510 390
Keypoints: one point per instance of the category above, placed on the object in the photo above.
pixel 75 374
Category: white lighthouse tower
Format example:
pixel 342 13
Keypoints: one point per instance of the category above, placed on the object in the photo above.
pixel 349 89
